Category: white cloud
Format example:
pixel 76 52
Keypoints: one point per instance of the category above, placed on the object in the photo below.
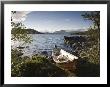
pixel 20 16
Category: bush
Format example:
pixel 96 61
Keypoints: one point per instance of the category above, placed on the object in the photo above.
pixel 92 51
pixel 27 67
pixel 36 66
pixel 16 61
pixel 92 55
pixel 89 54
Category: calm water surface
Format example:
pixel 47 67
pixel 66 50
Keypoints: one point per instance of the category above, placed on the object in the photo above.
pixel 41 43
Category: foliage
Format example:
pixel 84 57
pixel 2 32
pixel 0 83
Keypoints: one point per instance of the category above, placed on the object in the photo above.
pixel 88 53
pixel 20 35
pixel 91 50
pixel 16 60
pixel 93 16
pixel 91 54
pixel 93 34
pixel 35 66
pixel 18 32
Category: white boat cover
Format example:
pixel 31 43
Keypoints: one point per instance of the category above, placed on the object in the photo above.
pixel 64 57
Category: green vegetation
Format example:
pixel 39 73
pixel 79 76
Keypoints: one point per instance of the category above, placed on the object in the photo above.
pixel 22 31
pixel 91 55
pixel 18 31
pixel 39 66
pixel 88 51
pixel 36 66
pixel 94 17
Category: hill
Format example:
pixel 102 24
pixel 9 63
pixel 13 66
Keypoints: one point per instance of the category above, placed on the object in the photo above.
pixel 60 32
pixel 21 31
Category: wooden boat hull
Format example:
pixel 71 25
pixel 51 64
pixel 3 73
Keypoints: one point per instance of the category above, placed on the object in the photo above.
pixel 71 66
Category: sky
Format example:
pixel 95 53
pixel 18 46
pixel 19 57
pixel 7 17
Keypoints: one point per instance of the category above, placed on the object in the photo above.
pixel 51 21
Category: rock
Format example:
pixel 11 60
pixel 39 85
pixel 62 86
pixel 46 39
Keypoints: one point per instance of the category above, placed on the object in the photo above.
pixel 20 47
pixel 44 52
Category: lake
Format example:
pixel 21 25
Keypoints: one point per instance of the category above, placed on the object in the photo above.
pixel 41 43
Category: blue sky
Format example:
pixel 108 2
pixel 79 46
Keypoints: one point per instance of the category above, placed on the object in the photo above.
pixel 50 21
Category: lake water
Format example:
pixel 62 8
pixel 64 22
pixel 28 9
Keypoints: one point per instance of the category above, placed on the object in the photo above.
pixel 41 43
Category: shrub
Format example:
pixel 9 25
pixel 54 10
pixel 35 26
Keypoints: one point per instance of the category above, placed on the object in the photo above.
pixel 37 66
pixel 91 54
pixel 27 67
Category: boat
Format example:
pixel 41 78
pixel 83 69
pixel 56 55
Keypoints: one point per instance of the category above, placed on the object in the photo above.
pixel 65 59
pixel 63 56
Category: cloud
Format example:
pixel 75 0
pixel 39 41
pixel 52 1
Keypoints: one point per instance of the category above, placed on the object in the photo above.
pixel 20 16
pixel 67 20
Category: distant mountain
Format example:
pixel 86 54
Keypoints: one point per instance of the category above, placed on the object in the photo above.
pixel 60 32
pixel 70 31
pixel 77 30
pixel 28 31
pixel 32 31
